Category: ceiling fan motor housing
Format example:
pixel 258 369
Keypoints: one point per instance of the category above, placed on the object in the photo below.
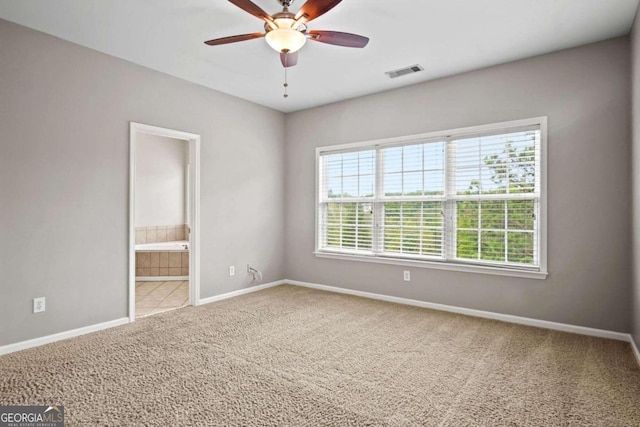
pixel 285 3
pixel 284 16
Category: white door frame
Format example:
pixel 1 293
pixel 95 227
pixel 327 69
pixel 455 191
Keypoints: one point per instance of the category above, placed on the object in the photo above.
pixel 194 209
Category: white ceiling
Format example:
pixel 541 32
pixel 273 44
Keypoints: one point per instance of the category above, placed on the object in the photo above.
pixel 445 37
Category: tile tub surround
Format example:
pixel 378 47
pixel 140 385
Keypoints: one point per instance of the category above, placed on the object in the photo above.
pixel 162 233
pixel 151 264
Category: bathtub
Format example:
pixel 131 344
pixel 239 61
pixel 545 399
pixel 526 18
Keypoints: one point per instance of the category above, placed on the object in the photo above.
pixel 177 246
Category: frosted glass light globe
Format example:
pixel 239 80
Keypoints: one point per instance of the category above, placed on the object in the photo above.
pixel 286 39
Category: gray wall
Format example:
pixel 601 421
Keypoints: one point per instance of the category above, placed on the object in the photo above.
pixel 64 165
pixel 635 120
pixel 585 93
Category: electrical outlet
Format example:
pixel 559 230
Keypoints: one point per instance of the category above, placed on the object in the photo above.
pixel 407 276
pixel 39 305
pixel 232 270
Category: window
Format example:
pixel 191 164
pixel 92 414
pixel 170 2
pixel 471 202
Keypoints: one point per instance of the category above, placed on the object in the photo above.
pixel 469 199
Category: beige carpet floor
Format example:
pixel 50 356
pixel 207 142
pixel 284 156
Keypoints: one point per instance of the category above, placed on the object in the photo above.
pixel 290 356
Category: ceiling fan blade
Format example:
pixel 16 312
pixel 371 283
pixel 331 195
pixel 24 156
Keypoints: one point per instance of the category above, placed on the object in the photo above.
pixel 252 8
pixel 233 39
pixel 339 39
pixel 315 8
pixel 289 59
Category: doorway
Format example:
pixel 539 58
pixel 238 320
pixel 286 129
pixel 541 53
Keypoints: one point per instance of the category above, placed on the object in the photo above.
pixel 164 220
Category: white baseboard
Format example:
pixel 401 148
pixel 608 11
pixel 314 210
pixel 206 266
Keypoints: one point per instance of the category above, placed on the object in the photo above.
pixel 634 347
pixel 23 345
pixel 160 278
pixel 241 292
pixel 582 330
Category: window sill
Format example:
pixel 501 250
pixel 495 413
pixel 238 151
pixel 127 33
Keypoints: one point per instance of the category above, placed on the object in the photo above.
pixel 467 268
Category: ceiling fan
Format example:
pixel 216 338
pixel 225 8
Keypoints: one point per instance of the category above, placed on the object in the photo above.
pixel 287 32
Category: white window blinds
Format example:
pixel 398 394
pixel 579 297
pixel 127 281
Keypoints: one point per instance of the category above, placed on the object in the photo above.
pixel 472 198
pixel 347 190
pixel 411 202
pixel 495 189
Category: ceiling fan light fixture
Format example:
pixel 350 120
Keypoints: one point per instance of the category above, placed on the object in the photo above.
pixel 287 32
pixel 286 40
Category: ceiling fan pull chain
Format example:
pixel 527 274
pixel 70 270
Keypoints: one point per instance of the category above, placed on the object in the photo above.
pixel 286 85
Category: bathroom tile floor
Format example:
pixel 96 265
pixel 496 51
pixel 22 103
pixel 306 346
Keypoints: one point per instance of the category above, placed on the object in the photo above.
pixel 156 297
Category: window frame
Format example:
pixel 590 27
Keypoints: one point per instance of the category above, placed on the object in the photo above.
pixel 539 272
